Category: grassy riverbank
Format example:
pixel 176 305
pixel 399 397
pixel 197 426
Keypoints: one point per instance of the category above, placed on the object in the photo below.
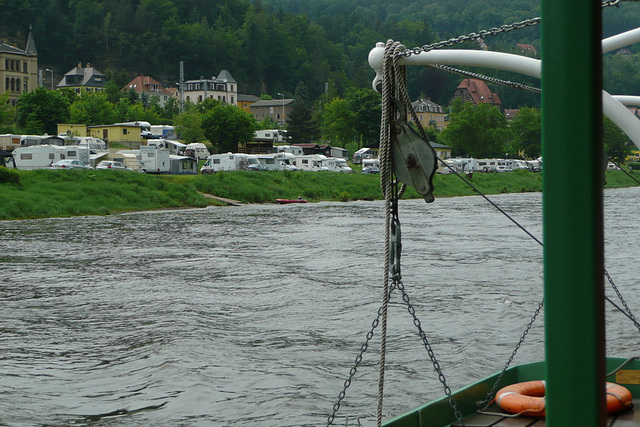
pixel 54 193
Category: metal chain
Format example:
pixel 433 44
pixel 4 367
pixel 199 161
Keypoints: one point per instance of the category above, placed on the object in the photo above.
pixel 514 85
pixel 354 369
pixel 621 298
pixel 427 346
pixel 487 401
pixel 490 32
pixel 473 36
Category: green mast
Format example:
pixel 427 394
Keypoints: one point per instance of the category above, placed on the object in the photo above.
pixel 572 211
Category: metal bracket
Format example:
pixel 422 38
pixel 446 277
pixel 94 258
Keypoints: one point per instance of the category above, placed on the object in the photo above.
pixel 395 249
pixel 414 160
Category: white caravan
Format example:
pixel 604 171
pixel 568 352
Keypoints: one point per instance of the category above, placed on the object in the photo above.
pixel 360 155
pixel 293 149
pixel 228 162
pixel 277 161
pixel 174 147
pixel 270 135
pixel 200 151
pixel 42 156
pixel 163 131
pixel 337 164
pixel 311 162
pixel 9 142
pixel 37 156
pixel 320 162
pixel 154 159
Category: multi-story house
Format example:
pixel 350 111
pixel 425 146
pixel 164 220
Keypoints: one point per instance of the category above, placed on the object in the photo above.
pixel 223 88
pixel 477 92
pixel 83 79
pixel 277 109
pixel 148 87
pixel 18 69
pixel 245 102
pixel 430 114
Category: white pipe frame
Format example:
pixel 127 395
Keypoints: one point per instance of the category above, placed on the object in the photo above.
pixel 613 106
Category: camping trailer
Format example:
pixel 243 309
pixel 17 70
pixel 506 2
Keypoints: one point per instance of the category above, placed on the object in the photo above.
pixel 154 159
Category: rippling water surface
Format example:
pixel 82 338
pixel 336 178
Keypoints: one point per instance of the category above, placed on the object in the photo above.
pixel 254 315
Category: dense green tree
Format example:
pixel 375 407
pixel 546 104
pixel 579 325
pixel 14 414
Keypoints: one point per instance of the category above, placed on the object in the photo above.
pixel 477 131
pixel 365 104
pixel 615 142
pixel 301 127
pixel 7 114
pixel 226 125
pixel 92 108
pixel 189 126
pixel 40 110
pixel 339 124
pixel 526 129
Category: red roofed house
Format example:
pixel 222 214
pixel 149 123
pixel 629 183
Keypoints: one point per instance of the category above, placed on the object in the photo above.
pixel 147 86
pixel 527 48
pixel 476 92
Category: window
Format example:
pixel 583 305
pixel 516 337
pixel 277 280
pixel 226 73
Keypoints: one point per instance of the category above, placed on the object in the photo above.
pixel 52 156
pixel 72 153
pixel 125 131
pixel 26 156
pixel 216 161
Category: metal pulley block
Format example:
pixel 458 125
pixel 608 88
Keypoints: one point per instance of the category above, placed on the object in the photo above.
pixel 414 161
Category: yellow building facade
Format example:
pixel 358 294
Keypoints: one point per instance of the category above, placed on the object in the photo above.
pixel 18 69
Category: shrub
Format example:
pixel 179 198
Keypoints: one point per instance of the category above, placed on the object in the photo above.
pixel 9 176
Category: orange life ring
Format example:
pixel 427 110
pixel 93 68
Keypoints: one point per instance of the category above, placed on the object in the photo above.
pixel 527 398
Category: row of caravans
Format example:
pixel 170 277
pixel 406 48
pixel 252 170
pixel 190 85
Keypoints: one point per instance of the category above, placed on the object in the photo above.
pixel 274 161
pixel 466 165
pixel 159 156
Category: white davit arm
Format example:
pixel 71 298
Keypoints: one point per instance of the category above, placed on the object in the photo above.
pixel 612 106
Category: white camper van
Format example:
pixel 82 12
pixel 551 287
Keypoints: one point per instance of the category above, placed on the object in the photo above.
pixel 228 162
pixel 337 164
pixel 277 161
pixel 154 159
pixel 199 150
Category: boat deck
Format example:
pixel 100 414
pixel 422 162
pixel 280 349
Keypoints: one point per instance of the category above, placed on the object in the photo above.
pixel 630 418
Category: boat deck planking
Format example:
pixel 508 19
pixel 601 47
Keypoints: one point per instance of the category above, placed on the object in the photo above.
pixel 630 418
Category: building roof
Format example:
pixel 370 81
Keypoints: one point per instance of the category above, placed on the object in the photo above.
pixel 30 49
pixel 31 44
pixel 426 106
pixel 86 75
pixel 272 102
pixel 527 48
pixel 511 113
pixel 147 84
pixel 480 92
pixel 7 48
pixel 225 76
pixel 247 98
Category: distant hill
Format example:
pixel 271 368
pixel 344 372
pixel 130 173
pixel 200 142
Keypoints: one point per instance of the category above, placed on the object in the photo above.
pixel 270 46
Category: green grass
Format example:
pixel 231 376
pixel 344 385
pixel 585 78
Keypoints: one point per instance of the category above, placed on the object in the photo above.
pixel 54 193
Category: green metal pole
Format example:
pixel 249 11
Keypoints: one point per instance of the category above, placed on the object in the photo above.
pixel 572 212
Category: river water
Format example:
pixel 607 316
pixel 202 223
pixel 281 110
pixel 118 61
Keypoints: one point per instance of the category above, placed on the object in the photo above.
pixel 254 315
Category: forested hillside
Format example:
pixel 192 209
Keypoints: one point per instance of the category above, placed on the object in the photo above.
pixel 270 46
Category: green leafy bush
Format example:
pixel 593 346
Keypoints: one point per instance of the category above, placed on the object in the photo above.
pixel 9 176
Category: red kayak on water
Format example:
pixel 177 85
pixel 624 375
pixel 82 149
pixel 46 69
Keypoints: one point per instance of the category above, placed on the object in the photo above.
pixel 286 201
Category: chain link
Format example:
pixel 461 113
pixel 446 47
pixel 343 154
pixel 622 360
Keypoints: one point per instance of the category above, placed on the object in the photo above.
pixel 621 298
pixel 514 85
pixel 436 365
pixel 485 403
pixel 490 32
pixel 354 369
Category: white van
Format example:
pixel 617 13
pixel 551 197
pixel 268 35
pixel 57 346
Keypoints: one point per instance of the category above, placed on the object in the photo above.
pixel 200 151
pixel 227 162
